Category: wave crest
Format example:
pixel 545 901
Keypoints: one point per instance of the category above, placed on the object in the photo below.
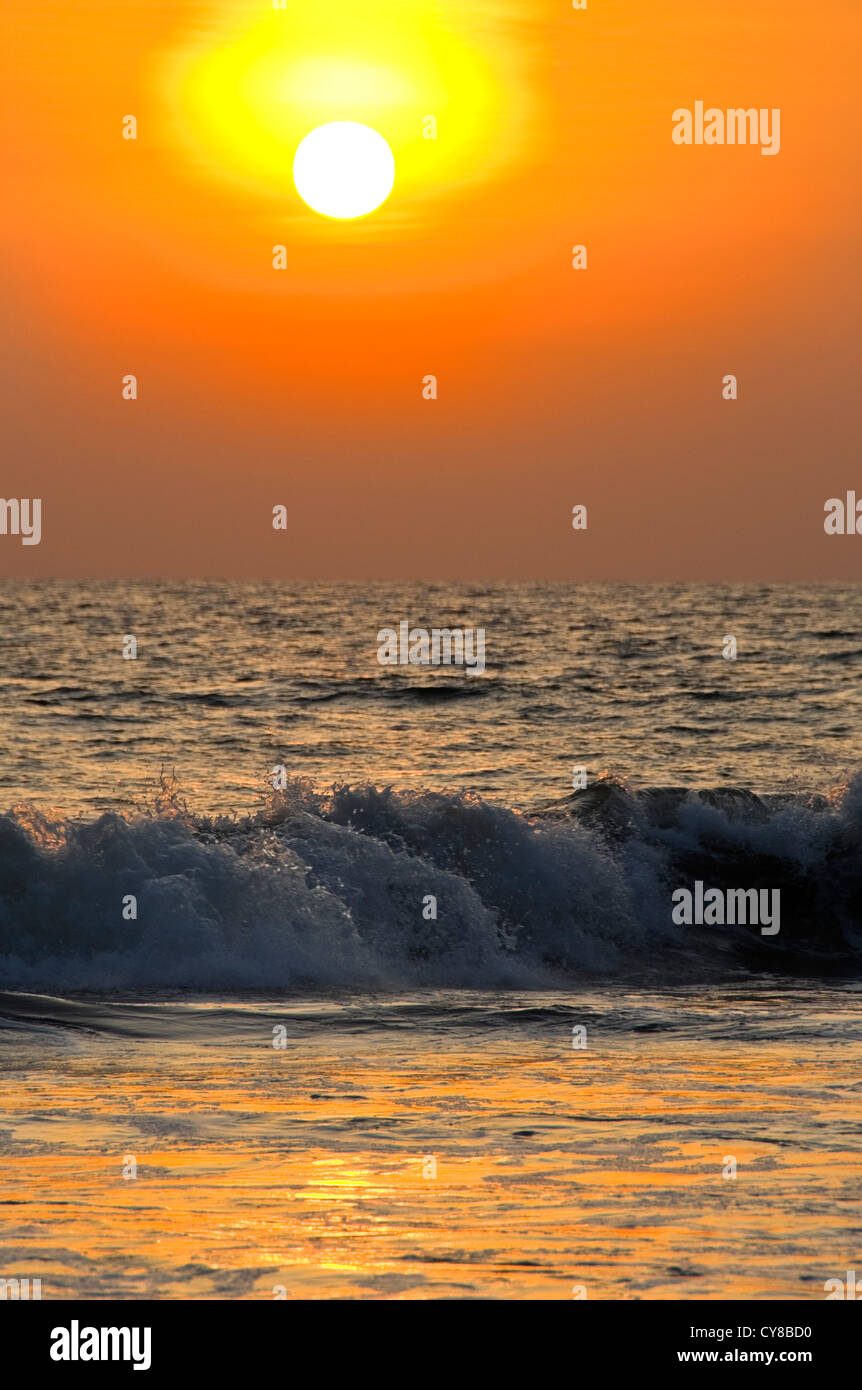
pixel 332 889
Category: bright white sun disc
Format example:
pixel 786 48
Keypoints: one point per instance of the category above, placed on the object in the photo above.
pixel 343 169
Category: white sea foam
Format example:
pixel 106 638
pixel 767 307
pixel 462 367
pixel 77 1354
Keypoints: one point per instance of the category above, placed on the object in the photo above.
pixel 328 890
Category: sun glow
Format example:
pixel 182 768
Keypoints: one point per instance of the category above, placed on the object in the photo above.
pixel 242 100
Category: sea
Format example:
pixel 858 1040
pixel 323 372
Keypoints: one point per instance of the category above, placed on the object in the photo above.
pixel 321 978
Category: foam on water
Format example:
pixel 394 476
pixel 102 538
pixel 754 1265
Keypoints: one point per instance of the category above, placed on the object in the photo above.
pixel 327 890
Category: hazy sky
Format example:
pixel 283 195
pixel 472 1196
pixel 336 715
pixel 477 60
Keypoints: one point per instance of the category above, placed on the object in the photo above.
pixel 303 386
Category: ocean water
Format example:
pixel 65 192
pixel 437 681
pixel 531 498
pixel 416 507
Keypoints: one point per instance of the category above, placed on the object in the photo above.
pixel 234 678
pixel 428 1128
pixel 151 779
pixel 434 1144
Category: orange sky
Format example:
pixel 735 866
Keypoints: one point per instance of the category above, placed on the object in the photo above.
pixel 556 386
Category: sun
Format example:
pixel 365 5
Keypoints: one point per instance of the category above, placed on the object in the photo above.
pixel 441 85
pixel 344 169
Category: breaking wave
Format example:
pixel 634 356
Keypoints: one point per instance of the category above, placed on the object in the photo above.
pixel 334 890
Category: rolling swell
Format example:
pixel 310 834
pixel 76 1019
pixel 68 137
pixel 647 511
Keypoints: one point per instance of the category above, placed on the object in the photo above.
pixel 328 889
